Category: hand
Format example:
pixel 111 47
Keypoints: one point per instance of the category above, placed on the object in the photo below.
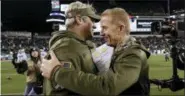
pixel 48 66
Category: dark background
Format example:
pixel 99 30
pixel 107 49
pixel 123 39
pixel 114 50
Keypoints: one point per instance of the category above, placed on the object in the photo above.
pixel 30 15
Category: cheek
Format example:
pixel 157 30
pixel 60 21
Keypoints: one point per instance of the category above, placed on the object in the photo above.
pixel 113 36
pixel 36 54
pixel 111 33
pixel 115 33
pixel 88 26
pixel 91 25
pixel 32 54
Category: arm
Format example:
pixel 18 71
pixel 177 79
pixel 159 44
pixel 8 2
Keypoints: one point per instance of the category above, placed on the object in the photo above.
pixel 30 68
pixel 126 72
pixel 25 57
pixel 18 58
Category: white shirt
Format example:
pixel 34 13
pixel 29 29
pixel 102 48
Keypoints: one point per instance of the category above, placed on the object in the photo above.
pixel 166 54
pixel 102 57
pixel 21 56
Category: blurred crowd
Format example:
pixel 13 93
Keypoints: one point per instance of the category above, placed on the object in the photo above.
pixel 138 8
pixel 9 44
pixel 158 43
pixel 15 43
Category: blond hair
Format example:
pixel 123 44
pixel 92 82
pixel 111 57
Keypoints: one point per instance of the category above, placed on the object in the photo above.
pixel 119 16
pixel 75 7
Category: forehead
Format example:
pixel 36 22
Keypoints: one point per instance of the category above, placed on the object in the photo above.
pixel 105 20
pixel 34 51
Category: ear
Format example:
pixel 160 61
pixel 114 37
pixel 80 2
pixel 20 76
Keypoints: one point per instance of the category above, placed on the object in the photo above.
pixel 78 20
pixel 122 27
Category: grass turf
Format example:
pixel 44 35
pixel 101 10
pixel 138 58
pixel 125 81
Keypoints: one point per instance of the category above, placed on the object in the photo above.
pixel 158 69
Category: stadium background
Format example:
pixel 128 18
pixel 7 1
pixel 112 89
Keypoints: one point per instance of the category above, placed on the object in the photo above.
pixel 29 23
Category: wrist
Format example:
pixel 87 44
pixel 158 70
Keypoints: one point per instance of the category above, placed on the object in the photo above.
pixel 54 70
pixel 53 73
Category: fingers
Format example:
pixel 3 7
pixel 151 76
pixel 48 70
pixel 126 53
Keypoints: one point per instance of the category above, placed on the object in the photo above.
pixel 42 74
pixel 54 58
pixel 44 61
pixel 48 65
pixel 45 75
pixel 52 54
pixel 44 70
pixel 43 65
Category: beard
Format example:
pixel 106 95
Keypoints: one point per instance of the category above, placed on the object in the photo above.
pixel 89 33
pixel 89 37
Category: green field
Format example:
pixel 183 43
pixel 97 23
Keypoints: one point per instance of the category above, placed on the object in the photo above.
pixel 158 69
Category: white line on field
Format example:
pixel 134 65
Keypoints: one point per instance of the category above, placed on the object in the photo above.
pixel 13 94
pixel 23 93
pixel 160 69
pixel 10 74
pixel 7 68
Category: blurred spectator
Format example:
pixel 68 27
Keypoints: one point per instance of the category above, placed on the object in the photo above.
pixel 153 44
pixel 16 43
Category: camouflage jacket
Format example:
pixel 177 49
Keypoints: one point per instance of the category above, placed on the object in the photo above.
pixel 75 52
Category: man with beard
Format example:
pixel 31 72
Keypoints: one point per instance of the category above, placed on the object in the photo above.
pixel 71 46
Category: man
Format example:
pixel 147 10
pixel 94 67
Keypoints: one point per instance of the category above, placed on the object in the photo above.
pixel 21 56
pixel 14 59
pixel 166 55
pixel 20 61
pixel 128 72
pixel 71 46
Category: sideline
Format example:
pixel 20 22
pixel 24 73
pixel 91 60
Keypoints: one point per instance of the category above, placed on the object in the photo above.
pixel 13 94
pixel 41 95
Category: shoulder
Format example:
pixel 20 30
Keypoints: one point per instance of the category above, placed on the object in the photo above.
pixel 62 42
pixel 30 63
pixel 65 42
pixel 66 48
pixel 134 51
pixel 137 52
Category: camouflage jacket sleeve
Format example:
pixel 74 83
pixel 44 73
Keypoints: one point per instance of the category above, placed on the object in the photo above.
pixel 64 50
pixel 123 74
pixel 30 68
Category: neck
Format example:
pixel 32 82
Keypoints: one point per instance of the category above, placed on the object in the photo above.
pixel 123 40
pixel 77 31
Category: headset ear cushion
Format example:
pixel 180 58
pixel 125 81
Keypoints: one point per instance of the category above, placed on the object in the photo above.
pixel 180 64
pixel 181 60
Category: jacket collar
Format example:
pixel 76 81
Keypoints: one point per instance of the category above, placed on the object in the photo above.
pixel 125 43
pixel 74 35
pixel 69 34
